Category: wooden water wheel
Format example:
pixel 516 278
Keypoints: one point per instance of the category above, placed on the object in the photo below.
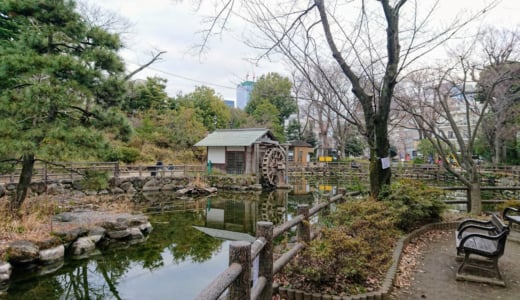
pixel 273 166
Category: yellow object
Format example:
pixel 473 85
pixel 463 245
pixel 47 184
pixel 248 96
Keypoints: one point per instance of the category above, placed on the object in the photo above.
pixel 452 159
pixel 325 158
pixel 327 188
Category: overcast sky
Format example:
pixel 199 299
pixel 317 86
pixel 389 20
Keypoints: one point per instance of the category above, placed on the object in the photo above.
pixel 172 26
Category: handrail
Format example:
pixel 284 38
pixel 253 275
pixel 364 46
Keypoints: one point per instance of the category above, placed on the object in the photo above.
pixel 239 285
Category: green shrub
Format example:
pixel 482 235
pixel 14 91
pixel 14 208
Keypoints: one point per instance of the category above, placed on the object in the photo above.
pixel 414 203
pixel 509 203
pixel 95 180
pixel 355 248
pixel 124 154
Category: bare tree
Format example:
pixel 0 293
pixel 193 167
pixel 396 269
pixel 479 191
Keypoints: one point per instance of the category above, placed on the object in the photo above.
pixel 372 42
pixel 447 108
pixel 501 50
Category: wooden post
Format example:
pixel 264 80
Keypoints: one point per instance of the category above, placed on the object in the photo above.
pixel 265 230
pixel 468 204
pixel 240 252
pixel 116 170
pixel 304 228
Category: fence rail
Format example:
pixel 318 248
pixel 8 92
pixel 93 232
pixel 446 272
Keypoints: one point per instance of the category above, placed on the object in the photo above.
pixel 237 278
pixel 467 201
pixel 47 172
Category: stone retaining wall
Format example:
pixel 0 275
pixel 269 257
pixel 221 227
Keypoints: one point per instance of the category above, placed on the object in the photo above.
pixel 138 185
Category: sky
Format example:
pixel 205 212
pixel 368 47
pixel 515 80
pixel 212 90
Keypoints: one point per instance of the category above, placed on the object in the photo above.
pixel 173 26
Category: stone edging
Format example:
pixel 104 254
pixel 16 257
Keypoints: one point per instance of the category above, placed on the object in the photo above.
pixel 384 292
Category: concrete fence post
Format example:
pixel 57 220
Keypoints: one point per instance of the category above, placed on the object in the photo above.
pixel 240 252
pixel 265 230
pixel 304 228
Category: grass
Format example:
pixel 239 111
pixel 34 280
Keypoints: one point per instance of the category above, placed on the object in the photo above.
pixel 34 220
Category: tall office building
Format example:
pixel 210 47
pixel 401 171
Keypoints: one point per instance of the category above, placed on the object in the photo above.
pixel 243 93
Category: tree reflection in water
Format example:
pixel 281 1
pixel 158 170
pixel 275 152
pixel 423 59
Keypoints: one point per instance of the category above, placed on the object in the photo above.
pixel 172 247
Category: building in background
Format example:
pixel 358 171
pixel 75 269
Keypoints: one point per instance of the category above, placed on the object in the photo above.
pixel 229 103
pixel 244 93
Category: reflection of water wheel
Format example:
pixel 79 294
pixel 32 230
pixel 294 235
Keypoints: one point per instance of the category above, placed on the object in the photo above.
pixel 273 166
pixel 271 211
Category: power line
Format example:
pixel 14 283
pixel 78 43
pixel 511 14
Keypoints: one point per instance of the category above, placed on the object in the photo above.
pixel 187 78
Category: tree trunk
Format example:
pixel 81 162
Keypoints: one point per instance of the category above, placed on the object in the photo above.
pixel 379 177
pixel 23 183
pixel 474 193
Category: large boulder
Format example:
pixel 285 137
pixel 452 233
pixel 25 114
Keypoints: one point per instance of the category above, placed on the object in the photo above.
pixel 152 185
pixel 83 246
pixel 52 255
pixel 21 252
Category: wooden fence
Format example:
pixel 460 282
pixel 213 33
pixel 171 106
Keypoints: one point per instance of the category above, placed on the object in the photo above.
pixel 237 278
pixel 48 172
pixel 482 188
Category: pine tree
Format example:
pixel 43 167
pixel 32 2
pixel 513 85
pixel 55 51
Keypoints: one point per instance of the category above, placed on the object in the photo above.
pixel 61 81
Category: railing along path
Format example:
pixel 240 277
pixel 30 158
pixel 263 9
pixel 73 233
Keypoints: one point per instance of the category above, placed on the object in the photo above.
pixel 237 278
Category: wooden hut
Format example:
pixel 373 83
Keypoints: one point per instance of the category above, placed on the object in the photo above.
pixel 298 152
pixel 246 151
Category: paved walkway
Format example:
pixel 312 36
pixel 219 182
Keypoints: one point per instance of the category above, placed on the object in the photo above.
pixel 434 276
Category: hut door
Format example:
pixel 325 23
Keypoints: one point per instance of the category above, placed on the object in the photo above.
pixel 235 162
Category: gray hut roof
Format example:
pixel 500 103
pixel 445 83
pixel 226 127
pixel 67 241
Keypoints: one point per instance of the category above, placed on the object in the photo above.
pixel 236 137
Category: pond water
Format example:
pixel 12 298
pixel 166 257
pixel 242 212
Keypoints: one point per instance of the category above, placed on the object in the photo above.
pixel 176 262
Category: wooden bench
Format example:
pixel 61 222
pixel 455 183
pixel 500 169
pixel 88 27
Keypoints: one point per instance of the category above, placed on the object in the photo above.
pixel 486 239
pixel 509 217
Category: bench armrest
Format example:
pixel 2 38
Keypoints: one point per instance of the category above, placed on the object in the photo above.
pixel 474 226
pixel 484 236
pixel 507 210
pixel 474 222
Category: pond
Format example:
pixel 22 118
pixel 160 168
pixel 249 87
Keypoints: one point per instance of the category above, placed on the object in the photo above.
pixel 176 262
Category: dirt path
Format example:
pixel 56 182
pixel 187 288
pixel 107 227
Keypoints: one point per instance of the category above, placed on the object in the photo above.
pixel 434 274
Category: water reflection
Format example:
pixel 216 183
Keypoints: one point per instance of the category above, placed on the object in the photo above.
pixel 176 261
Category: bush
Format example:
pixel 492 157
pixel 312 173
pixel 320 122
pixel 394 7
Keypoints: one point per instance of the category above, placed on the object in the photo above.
pixel 125 154
pixel 414 203
pixel 354 249
pixel 95 180
pixel 509 203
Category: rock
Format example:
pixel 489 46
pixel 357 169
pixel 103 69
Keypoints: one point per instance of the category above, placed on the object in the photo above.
pixel 23 252
pixel 117 191
pixel 126 186
pixel 118 234
pixel 53 189
pixel 97 230
pixel 70 235
pixel 52 255
pixel 113 226
pixel 2 191
pixel 5 271
pixel 135 233
pixel 152 185
pixel 146 228
pixel 96 238
pixel 82 246
pixel 137 220
pixel 49 243
pixel 10 186
pixel 65 217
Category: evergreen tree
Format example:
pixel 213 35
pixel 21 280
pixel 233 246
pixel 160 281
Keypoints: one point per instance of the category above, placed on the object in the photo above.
pixel 275 89
pixel 60 84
